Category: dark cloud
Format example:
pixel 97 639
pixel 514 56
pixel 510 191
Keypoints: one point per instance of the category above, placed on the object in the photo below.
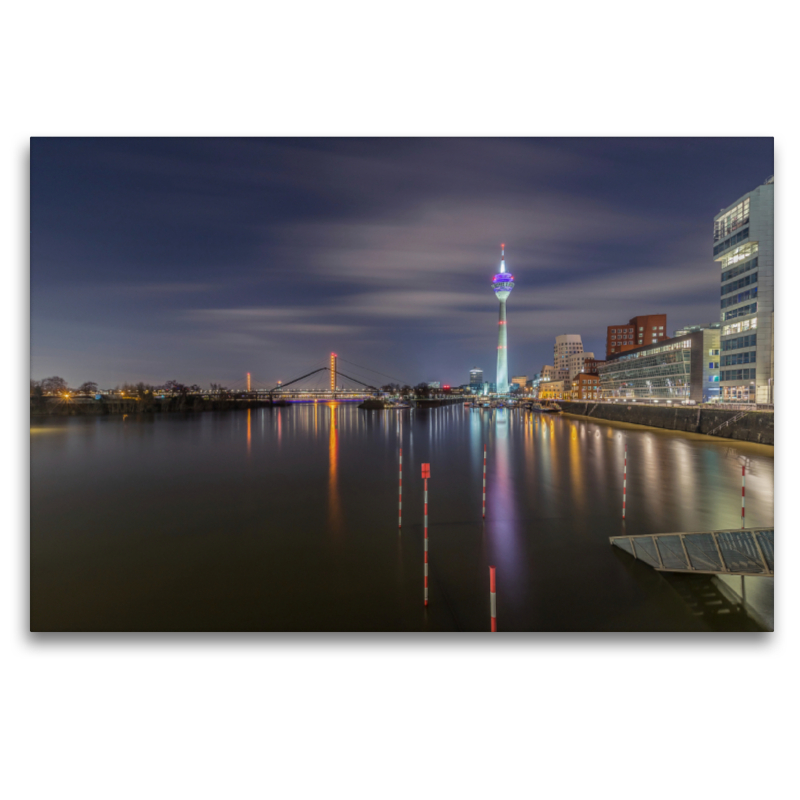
pixel 204 258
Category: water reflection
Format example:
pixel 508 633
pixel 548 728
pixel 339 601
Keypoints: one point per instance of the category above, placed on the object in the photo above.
pixel 503 522
pixel 554 496
pixel 576 466
pixel 334 503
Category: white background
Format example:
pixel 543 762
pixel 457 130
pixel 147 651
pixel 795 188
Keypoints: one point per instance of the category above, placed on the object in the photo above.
pixel 393 716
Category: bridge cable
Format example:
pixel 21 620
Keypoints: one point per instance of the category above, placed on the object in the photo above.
pixel 289 383
pixel 371 370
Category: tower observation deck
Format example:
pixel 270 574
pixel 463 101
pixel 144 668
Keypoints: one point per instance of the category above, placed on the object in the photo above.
pixel 502 284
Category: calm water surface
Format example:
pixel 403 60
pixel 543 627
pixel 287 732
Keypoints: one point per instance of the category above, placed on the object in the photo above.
pixel 286 519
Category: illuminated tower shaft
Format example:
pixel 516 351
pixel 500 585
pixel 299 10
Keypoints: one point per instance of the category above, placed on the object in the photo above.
pixel 333 372
pixel 502 351
pixel 502 284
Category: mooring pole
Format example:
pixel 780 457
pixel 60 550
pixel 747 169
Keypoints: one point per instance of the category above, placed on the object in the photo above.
pixel 493 599
pixel 743 469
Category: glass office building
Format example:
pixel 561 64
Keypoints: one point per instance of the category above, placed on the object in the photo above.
pixel 680 369
pixel 744 250
pixel 476 379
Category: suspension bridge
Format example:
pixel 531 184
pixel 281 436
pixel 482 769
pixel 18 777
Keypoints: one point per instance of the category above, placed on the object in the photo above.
pixel 324 382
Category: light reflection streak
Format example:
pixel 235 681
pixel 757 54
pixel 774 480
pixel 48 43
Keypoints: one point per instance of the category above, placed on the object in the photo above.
pixel 576 466
pixel 685 484
pixel 334 501
pixel 650 470
pixel 502 522
pixel 249 433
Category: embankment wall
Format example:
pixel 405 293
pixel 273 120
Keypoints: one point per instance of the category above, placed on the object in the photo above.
pixel 754 426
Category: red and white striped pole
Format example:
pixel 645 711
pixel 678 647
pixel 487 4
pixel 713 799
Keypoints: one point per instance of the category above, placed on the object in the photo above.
pixel 624 480
pixel 493 599
pixel 426 473
pixel 743 495
pixel 400 496
pixel 484 481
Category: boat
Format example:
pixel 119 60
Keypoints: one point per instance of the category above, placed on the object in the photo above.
pixel 551 409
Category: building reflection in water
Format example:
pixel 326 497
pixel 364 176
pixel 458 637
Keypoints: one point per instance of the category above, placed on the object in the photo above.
pixel 544 467
pixel 686 484
pixel 502 521
pixel 576 449
pixel 529 444
pixel 651 472
pixel 602 480
pixel 334 501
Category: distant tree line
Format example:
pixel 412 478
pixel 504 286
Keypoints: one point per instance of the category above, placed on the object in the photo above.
pixel 58 387
pixel 146 393
pixel 420 390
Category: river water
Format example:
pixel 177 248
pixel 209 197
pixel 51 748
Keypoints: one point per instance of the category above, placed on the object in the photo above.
pixel 285 519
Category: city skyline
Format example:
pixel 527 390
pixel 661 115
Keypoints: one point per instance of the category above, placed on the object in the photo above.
pixel 154 259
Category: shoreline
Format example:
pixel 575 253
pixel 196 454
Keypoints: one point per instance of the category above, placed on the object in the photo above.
pixel 102 408
pixel 754 427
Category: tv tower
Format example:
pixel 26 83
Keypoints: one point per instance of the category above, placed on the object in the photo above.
pixel 502 284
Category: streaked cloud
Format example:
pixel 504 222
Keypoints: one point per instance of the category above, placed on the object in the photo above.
pixel 224 255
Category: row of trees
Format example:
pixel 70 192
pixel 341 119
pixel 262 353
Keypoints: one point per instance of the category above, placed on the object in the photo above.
pixel 58 386
pixel 420 390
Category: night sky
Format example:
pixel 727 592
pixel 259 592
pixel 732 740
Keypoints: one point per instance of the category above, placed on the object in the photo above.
pixel 201 259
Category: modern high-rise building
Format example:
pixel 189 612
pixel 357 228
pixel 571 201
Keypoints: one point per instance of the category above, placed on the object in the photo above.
pixel 642 330
pixel 744 248
pixel 568 344
pixel 676 369
pixel 502 284
pixel 476 377
pixel 577 363
pixel 694 328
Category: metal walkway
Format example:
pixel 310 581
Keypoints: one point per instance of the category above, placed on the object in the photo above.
pixel 740 551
